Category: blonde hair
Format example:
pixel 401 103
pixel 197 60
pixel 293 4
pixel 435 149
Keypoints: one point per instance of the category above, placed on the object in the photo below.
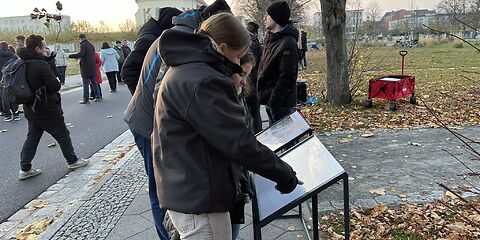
pixel 226 28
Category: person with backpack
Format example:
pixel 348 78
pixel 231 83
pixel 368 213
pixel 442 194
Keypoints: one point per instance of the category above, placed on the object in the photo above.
pixel 44 113
pixel 8 108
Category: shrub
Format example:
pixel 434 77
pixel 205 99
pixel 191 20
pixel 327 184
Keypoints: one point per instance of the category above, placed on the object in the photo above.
pixel 457 43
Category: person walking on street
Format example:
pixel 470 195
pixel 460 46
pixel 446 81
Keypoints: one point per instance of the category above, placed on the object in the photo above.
pixel 121 60
pixel 252 100
pixel 109 58
pixel 200 138
pixel 87 68
pixel 277 73
pixel 61 62
pixel 45 114
pixel 7 108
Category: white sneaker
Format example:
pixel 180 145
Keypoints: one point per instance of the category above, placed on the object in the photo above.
pixel 78 164
pixel 28 174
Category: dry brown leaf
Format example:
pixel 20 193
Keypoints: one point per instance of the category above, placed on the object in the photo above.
pixel 379 191
pixel 33 230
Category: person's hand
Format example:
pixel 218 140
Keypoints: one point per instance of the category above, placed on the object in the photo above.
pixel 289 186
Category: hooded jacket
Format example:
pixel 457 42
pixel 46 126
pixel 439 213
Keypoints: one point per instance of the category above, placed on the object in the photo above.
pixel 39 74
pixel 5 56
pixel 277 73
pixel 147 34
pixel 109 59
pixel 139 113
pixel 200 138
pixel 87 59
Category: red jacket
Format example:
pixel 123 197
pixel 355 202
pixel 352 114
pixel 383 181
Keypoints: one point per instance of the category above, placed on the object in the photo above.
pixel 98 65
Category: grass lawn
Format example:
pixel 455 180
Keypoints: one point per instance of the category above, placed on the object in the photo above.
pixel 444 81
pixel 73 67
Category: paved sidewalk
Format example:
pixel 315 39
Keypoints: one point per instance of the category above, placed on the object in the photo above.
pixel 109 199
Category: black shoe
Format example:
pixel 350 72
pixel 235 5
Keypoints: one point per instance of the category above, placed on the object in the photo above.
pixel 91 98
pixel 16 117
pixel 84 102
pixel 8 119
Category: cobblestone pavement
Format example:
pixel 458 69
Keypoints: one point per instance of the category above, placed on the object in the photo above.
pixel 97 216
pixel 67 194
pixel 407 164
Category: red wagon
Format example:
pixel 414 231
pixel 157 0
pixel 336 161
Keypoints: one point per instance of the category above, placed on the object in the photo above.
pixel 392 87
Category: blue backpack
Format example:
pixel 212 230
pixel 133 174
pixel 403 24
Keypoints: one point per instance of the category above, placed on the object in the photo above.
pixel 15 85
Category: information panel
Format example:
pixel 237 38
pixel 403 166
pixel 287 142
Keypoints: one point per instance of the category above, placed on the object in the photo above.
pixel 314 165
pixel 283 131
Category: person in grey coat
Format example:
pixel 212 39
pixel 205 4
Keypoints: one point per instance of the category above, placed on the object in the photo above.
pixel 87 68
pixel 109 59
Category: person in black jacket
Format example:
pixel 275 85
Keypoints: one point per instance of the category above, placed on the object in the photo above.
pixel 46 114
pixel 147 34
pixel 139 114
pixel 6 107
pixel 277 73
pixel 252 99
pixel 87 68
pixel 200 138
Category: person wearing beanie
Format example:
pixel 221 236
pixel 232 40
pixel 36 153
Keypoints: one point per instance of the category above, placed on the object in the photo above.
pixel 216 7
pixel 278 69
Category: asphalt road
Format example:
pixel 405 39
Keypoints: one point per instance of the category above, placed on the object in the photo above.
pixel 91 131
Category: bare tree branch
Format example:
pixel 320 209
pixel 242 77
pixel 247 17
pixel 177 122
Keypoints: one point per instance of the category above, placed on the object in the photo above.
pixel 453 35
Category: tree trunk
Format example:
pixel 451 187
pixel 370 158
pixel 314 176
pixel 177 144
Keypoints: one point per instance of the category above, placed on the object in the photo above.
pixel 333 21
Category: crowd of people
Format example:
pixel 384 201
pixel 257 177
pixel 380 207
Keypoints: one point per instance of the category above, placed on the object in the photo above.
pixel 195 111
pixel 197 80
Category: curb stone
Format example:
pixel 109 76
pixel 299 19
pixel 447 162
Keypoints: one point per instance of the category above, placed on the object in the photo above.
pixel 73 188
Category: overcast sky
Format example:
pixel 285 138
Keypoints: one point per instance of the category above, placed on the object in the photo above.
pixel 116 11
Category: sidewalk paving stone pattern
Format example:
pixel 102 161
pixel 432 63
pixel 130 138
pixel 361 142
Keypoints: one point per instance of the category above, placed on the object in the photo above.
pixel 99 215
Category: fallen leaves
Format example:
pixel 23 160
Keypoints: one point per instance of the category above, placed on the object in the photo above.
pixel 51 145
pixel 416 144
pixel 379 191
pixel 409 221
pixel 3 130
pixel 36 204
pixel 454 98
pixel 33 230
pixel 367 134
pixel 101 174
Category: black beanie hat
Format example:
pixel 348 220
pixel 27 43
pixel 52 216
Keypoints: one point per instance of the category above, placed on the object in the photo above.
pixel 279 12
pixel 252 27
pixel 216 7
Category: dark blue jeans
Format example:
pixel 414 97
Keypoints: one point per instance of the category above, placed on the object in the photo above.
pixel 61 73
pixel 145 148
pixel 86 85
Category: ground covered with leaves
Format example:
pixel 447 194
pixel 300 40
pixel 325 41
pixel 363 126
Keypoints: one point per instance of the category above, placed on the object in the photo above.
pixel 447 81
pixel 445 219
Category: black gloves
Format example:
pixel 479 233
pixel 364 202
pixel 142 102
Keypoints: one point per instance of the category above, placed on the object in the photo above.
pixel 289 186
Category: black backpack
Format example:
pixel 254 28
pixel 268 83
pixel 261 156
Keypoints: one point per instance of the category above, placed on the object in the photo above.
pixel 14 83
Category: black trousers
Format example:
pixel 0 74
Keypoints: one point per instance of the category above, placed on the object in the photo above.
pixel 55 127
pixel 256 119
pixel 8 108
pixel 112 81
pixel 119 73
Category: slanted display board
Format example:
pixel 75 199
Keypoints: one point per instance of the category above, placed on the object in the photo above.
pixel 314 165
pixel 284 131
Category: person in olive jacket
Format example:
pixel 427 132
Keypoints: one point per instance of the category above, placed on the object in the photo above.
pixel 277 73
pixel 44 114
pixel 87 68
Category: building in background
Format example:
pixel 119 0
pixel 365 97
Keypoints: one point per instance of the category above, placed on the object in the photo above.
pixel 26 24
pixel 353 23
pixel 150 8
